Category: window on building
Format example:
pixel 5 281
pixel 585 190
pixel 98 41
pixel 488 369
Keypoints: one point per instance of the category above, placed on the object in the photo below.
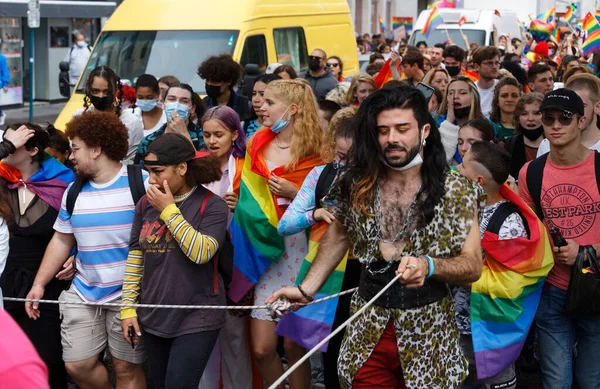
pixel 290 46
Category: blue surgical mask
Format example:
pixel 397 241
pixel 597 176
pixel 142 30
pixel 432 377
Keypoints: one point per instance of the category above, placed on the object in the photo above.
pixel 146 105
pixel 182 110
pixel 81 44
pixel 280 124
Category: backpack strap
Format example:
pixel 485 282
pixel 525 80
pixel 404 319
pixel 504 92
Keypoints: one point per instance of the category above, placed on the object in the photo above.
pixel 597 167
pixel 136 182
pixel 324 183
pixel 216 290
pixel 534 178
pixel 73 193
pixel 504 210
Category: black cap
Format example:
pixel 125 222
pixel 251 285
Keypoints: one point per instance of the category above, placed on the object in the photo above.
pixel 171 149
pixel 563 99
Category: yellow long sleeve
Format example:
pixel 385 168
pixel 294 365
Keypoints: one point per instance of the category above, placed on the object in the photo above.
pixel 132 282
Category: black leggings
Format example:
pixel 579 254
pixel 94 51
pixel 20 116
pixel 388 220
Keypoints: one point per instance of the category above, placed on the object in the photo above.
pixel 178 363
pixel 351 280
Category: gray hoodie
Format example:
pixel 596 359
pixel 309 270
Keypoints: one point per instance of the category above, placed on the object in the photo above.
pixel 321 85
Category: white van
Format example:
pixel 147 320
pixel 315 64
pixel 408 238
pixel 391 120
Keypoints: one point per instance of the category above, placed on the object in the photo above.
pixel 478 27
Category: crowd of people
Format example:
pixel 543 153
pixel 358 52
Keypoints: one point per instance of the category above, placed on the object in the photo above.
pixel 470 175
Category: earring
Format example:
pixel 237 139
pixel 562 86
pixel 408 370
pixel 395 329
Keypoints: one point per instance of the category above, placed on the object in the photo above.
pixel 424 142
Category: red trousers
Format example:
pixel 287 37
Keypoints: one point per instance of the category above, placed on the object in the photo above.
pixel 383 369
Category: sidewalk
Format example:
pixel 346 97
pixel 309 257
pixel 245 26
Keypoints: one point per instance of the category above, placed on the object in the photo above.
pixel 43 112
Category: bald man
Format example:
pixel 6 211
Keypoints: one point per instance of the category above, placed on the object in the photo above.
pixel 77 58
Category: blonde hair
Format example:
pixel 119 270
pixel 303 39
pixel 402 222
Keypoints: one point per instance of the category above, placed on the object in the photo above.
pixel 363 77
pixel 328 153
pixel 307 130
pixel 475 98
pixel 431 74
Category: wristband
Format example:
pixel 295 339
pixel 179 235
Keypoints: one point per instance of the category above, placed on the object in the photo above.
pixel 306 296
pixel 431 266
pixel 39 286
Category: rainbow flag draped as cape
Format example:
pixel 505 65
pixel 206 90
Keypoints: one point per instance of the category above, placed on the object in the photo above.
pixel 506 297
pixel 254 225
pixel 49 182
pixel 310 325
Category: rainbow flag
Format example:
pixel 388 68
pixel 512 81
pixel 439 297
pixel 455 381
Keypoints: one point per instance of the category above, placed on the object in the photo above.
pixel 540 30
pixel 547 16
pixel 592 43
pixel 590 24
pixel 254 225
pixel 597 14
pixel 434 20
pixel 310 325
pixel 49 182
pixel 382 26
pixel 570 14
pixel 506 297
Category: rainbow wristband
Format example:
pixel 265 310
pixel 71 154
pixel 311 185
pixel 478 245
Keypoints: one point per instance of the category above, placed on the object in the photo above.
pixel 431 265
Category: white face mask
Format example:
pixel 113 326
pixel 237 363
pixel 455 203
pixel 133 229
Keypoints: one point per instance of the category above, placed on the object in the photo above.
pixel 417 160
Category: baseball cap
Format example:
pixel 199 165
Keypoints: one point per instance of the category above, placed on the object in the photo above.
pixel 563 99
pixel 171 149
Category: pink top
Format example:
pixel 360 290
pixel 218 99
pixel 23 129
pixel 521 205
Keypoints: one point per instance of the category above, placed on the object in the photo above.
pixel 20 364
pixel 571 202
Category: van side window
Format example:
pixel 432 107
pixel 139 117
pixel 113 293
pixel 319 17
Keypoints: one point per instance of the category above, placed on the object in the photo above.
pixel 255 52
pixel 290 45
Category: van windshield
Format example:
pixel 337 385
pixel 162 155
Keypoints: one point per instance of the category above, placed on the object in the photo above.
pixel 439 36
pixel 178 53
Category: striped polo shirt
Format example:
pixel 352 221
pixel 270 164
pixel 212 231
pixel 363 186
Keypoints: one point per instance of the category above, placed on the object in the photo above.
pixel 101 223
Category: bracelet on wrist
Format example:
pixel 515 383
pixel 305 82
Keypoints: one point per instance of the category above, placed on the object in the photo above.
pixel 39 286
pixel 305 295
pixel 430 265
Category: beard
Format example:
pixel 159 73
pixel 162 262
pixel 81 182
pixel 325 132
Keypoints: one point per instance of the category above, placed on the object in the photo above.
pixel 81 174
pixel 399 162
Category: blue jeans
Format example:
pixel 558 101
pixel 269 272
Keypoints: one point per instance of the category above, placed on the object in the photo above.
pixel 558 335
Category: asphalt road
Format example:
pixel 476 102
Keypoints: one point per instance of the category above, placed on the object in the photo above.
pixel 42 113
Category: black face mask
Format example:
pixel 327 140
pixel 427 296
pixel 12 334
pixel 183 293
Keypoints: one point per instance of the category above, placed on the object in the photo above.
pixel 213 91
pixel 453 70
pixel 533 134
pixel 101 103
pixel 461 113
pixel 314 64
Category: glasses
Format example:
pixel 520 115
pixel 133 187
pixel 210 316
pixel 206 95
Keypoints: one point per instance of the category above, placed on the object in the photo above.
pixel 315 57
pixel 333 65
pixel 565 119
pixel 491 63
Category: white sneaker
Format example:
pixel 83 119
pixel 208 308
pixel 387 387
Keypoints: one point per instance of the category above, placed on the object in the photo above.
pixel 2 119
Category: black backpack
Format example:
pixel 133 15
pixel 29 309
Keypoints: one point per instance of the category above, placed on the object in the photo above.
pixel 136 185
pixel 504 210
pixel 535 176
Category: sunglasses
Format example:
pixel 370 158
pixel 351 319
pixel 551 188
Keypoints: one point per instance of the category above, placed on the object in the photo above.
pixel 565 119
pixel 315 57
pixel 333 65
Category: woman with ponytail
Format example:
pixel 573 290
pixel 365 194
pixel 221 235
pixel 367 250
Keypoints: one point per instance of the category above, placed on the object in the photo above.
pixel 278 159
pixel 102 89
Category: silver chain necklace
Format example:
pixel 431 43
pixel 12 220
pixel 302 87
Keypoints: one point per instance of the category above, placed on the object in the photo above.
pixel 280 146
pixel 402 234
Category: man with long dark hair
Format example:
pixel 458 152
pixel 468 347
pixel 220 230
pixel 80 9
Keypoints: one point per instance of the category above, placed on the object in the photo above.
pixel 404 212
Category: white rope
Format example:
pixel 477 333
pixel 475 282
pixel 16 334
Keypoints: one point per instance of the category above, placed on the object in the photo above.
pixel 276 308
pixel 334 333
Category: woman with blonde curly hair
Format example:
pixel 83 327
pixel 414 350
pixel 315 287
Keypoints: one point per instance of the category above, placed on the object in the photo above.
pixel 278 159
pixel 360 88
pixel 461 104
pixel 307 211
pixel 506 95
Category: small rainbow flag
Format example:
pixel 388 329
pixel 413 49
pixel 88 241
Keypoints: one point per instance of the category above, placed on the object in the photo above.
pixel 462 20
pixel 497 13
pixel 540 30
pixel 254 225
pixel 547 16
pixel 504 300
pixel 433 21
pixel 382 26
pixel 592 43
pixel 570 14
pixel 590 24
pixel 310 325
